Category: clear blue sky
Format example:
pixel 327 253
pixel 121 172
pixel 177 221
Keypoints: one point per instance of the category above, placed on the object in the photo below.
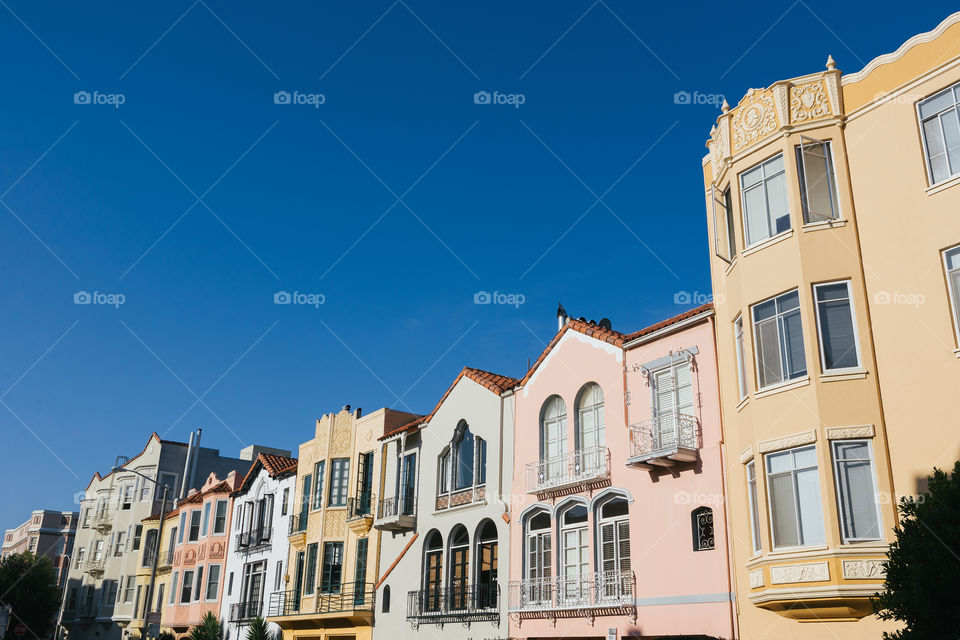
pixel 199 198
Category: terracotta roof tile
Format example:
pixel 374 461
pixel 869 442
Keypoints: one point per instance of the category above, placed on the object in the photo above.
pixel 275 465
pixel 586 328
pixel 669 321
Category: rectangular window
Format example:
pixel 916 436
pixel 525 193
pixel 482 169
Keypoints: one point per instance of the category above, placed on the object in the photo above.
pixel 213 582
pixel 738 345
pixel 286 500
pixel 230 584
pixel 837 326
pixel 408 485
pixel 128 589
pixel 793 490
pixel 182 527
pixel 137 535
pixel 168 480
pixel 305 501
pixel 339 473
pixel 318 470
pixel 778 339
pixel 332 567
pixel 98 550
pixel 278 579
pixel 444 473
pixel 818 186
pixel 940 124
pixel 194 525
pixel 126 500
pixel 206 519
pixel 173 586
pixel 311 580
pixel 724 242
pixel 220 518
pixel 185 591
pixel 198 586
pixel 119 546
pixel 951 263
pixel 360 573
pixel 81 555
pixel 170 544
pixel 752 500
pixel 481 446
pixel 856 490
pixel 763 196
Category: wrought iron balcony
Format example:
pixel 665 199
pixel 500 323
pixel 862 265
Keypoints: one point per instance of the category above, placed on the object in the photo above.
pixel 298 523
pixel 94 567
pixel 254 539
pixel 574 595
pixel 463 603
pixel 103 522
pixel 243 611
pixel 396 513
pixel 348 598
pixel 574 469
pixel 664 440
pixel 360 507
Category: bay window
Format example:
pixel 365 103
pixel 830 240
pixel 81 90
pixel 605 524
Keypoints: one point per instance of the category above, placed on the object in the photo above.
pixel 856 490
pixel 941 133
pixel 951 263
pixel 752 503
pixel 836 326
pixel 818 188
pixel 763 194
pixel 793 491
pixel 778 339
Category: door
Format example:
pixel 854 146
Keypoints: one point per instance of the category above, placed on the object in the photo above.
pixel 615 582
pixel 360 574
pixel 298 584
pixel 251 591
pixel 408 486
pixel 364 482
pixel 673 390
pixel 554 440
pixel 539 586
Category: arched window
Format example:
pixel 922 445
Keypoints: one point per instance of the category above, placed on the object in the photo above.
pixel 701 522
pixel 486 562
pixel 590 417
pixel 616 579
pixel 574 556
pixel 553 437
pixel 433 571
pixel 385 600
pixel 459 567
pixel 539 570
pixel 463 464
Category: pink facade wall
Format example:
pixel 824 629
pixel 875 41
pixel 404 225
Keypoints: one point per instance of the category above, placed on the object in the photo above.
pixel 678 590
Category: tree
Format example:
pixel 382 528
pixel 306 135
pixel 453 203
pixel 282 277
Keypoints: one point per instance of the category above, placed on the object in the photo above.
pixel 259 630
pixel 208 629
pixel 922 590
pixel 28 584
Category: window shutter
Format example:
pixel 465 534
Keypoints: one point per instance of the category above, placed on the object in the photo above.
pixel 607 547
pixel 545 564
pixel 623 542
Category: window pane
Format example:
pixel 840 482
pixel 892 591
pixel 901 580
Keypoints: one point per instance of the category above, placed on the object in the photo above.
pixel 783 511
pixel 855 488
pixel 837 334
pixel 817 182
pixel 951 131
pixel 935 104
pixel 936 151
pixel 752 176
pixel 779 462
pixel 755 213
pixel 953 259
pixel 806 457
pixel 779 210
pixel 811 515
pixel 795 358
pixel 768 353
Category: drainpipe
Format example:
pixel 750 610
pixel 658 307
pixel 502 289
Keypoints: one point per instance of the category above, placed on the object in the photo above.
pixel 186 468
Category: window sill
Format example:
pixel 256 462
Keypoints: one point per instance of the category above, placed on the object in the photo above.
pixel 783 386
pixel 785 551
pixel 743 403
pixel 780 237
pixel 823 224
pixel 940 186
pixel 461 507
pixel 843 374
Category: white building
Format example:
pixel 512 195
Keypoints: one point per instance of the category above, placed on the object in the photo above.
pixel 258 543
pixel 442 514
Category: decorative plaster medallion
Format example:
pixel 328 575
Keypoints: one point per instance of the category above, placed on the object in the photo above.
pixel 806 572
pixel 746 455
pixel 863 569
pixel 754 119
pixel 844 433
pixel 756 578
pixel 809 102
pixel 787 442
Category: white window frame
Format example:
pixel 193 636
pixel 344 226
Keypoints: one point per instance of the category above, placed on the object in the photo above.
pixel 740 355
pixel 853 319
pixel 954 302
pixel 756 342
pixel 752 498
pixel 954 88
pixel 763 184
pixel 876 490
pixel 767 475
pixel 724 200
pixel 208 581
pixel 806 141
pixel 174 596
pixel 226 512
pixel 189 584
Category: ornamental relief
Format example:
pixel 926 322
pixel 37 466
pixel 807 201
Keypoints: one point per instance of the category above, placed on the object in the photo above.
pixel 756 578
pixel 809 102
pixel 863 569
pixel 807 572
pixel 216 550
pixel 190 557
pixel 844 433
pixel 334 523
pixel 754 119
pixel 787 442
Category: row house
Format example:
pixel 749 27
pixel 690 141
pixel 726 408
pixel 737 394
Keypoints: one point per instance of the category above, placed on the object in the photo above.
pixel 444 515
pixel 333 559
pixel 101 599
pixel 618 484
pixel 47 533
pixel 256 563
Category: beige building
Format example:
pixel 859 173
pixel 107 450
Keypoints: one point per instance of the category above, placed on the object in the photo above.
pixel 836 273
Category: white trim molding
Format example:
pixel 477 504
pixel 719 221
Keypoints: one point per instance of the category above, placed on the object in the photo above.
pixel 848 433
pixel 788 442
pixel 746 455
pixel 756 578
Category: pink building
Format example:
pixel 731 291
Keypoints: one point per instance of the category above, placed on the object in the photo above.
pixel 617 522
pixel 199 543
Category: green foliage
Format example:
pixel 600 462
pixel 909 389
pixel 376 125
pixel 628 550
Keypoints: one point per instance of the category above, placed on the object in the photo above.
pixel 259 630
pixel 29 586
pixel 208 629
pixel 922 589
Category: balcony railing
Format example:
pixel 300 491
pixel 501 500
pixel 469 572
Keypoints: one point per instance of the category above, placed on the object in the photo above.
pixel 165 561
pixel 396 513
pixel 349 597
pixel 103 522
pixel 360 507
pixel 242 611
pixel 94 567
pixel 600 590
pixel 663 440
pixel 576 468
pixel 463 603
pixel 298 523
pixel 255 539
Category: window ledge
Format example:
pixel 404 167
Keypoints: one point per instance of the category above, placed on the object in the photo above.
pixel 843 374
pixel 745 401
pixel 940 186
pixel 823 224
pixel 786 551
pixel 784 386
pixel 780 237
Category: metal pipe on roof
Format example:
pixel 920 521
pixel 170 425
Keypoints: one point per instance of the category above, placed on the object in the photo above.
pixel 186 468
pixel 196 454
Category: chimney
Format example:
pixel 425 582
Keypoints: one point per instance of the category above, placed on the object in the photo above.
pixel 562 317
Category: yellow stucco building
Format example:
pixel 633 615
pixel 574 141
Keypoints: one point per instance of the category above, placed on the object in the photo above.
pixel 333 562
pixel 832 206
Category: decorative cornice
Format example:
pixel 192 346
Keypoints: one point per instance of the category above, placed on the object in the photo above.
pixel 787 442
pixel 846 433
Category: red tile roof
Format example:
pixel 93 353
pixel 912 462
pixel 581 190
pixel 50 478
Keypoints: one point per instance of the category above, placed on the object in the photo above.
pixel 275 465
pixel 591 329
pixel 669 321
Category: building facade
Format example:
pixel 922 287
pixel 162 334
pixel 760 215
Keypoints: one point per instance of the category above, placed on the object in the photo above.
pixel 618 485
pixel 333 562
pixel 47 533
pixel 444 514
pixel 831 320
pixel 256 560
